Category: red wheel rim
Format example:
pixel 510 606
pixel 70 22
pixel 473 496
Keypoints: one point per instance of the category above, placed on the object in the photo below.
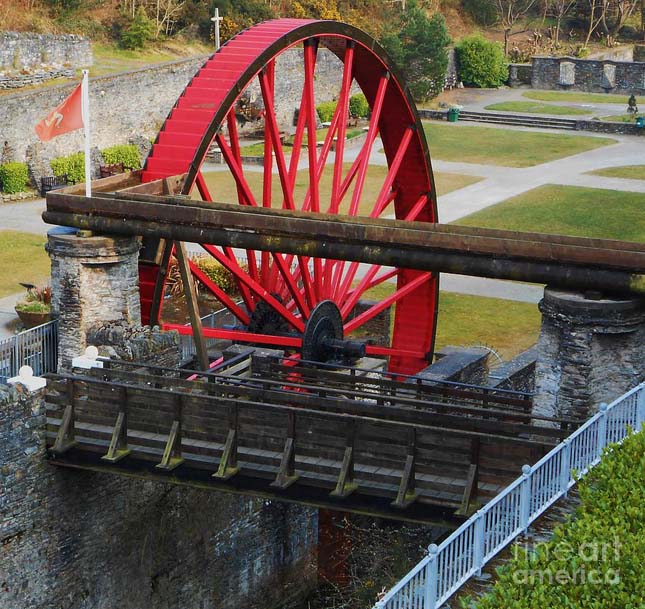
pixel 205 113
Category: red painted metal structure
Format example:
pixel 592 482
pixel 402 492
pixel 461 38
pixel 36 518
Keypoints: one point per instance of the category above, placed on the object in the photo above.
pixel 293 285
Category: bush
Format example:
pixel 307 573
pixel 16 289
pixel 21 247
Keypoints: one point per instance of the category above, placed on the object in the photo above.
pixel 605 540
pixel 128 154
pixel 326 111
pixel 72 165
pixel 14 177
pixel 218 274
pixel 481 62
pixel 138 32
pixel 358 106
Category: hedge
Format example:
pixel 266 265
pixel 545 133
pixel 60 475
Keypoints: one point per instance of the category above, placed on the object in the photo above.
pixel 358 106
pixel 72 165
pixel 14 177
pixel 481 62
pixel 594 561
pixel 326 111
pixel 128 154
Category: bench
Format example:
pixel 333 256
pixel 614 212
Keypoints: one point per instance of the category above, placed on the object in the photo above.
pixel 111 170
pixel 48 183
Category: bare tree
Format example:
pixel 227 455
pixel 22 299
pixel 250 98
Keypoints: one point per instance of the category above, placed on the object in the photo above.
pixel 509 12
pixel 616 15
pixel 559 9
pixel 597 11
pixel 165 13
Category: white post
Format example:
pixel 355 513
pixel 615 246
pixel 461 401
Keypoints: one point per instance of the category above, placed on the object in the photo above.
pixel 479 541
pixel 216 19
pixel 85 109
pixel 525 497
pixel 430 596
pixel 640 408
pixel 602 430
pixel 565 466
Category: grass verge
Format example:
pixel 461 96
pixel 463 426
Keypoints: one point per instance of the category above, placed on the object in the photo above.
pixel 568 210
pixel 534 108
pixel 27 261
pixel 222 186
pixel 476 320
pixel 631 172
pixel 509 148
pixel 576 97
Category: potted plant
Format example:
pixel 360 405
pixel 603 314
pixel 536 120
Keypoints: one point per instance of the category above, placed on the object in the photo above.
pixel 35 308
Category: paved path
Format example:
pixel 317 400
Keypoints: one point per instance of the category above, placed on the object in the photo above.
pixel 499 184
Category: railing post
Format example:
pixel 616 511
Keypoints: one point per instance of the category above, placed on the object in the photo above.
pixel 602 430
pixel 640 408
pixel 565 466
pixel 479 541
pixel 525 497
pixel 432 570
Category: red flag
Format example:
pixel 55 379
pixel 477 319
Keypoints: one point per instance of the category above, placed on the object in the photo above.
pixel 66 117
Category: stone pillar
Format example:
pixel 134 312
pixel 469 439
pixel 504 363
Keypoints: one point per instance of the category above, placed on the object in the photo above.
pixel 94 280
pixel 589 351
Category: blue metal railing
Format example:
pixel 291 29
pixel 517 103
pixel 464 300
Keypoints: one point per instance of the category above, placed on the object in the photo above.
pixel 448 566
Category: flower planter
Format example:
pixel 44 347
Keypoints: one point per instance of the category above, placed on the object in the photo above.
pixel 31 320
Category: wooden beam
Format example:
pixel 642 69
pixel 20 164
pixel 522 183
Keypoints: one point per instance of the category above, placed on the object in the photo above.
pixel 172 453
pixel 228 462
pixel 287 471
pixel 470 490
pixel 407 493
pixel 65 437
pixel 118 444
pixel 346 485
pixel 191 300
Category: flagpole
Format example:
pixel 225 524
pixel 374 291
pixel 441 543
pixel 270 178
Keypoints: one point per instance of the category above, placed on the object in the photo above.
pixel 85 109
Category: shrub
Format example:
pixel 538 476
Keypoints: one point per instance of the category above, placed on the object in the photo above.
pixel 138 32
pixel 14 177
pixel 128 154
pixel 358 106
pixel 218 274
pixel 72 165
pixel 605 541
pixel 481 62
pixel 326 111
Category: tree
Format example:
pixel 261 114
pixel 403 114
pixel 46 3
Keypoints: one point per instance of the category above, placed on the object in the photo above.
pixel 559 9
pixel 509 12
pixel 417 44
pixel 481 62
pixel 138 32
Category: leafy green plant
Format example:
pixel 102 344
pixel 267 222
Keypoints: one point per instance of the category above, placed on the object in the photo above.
pixel 326 111
pixel 14 177
pixel 218 274
pixel 37 300
pixel 358 106
pixel 140 30
pixel 481 62
pixel 595 560
pixel 128 154
pixel 72 165
pixel 418 45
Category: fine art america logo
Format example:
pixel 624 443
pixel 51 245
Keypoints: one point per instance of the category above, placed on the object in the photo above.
pixel 590 563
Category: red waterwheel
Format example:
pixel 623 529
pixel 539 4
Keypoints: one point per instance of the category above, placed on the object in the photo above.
pixel 285 288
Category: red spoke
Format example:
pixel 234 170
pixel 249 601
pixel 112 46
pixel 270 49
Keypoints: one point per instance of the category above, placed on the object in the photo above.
pixel 310 66
pixel 370 313
pixel 377 281
pixel 351 301
pixel 393 352
pixel 343 109
pixel 417 208
pixel 272 123
pixel 386 189
pixel 256 288
pixel 222 296
pixel 365 153
pixel 246 195
pixel 293 342
pixel 214 364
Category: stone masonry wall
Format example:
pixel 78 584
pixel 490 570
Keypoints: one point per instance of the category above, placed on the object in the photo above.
pixel 599 76
pixel 84 540
pixel 26 50
pixel 137 103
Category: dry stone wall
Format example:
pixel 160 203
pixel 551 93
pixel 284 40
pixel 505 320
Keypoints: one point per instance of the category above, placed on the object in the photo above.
pixel 20 50
pixel 88 540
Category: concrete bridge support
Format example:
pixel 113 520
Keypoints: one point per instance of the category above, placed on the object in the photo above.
pixel 590 350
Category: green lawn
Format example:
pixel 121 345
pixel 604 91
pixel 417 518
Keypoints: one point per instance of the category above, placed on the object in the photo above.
pixel 222 186
pixel 535 108
pixel 258 149
pixel 568 210
pixel 476 320
pixel 25 261
pixel 576 97
pixel 631 172
pixel 509 148
pixel 618 118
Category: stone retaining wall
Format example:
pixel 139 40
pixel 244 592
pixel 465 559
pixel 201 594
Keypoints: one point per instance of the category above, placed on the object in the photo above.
pixel 89 540
pixel 24 80
pixel 26 50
